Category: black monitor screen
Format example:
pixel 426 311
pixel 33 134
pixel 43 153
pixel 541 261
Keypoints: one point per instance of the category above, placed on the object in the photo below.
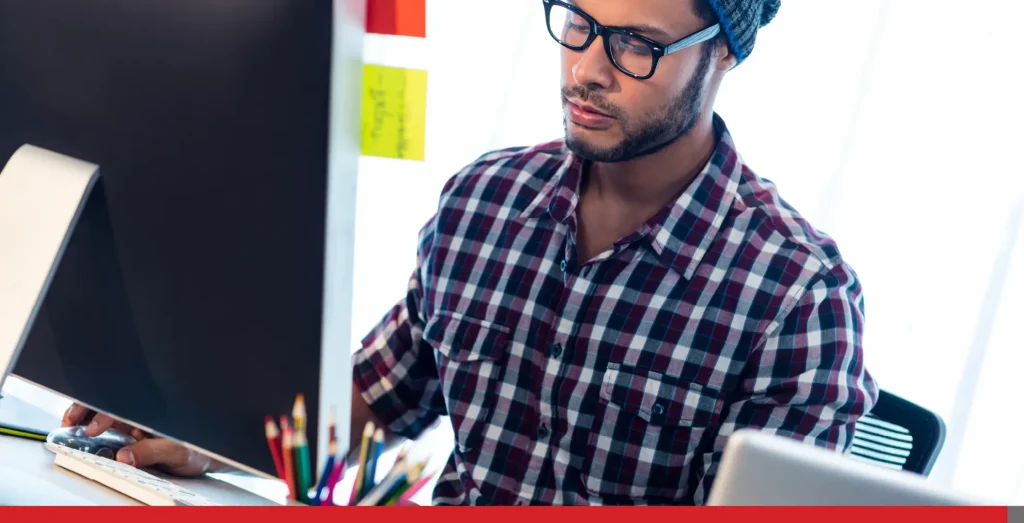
pixel 189 299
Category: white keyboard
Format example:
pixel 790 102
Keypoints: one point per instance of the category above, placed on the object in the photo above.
pixel 130 481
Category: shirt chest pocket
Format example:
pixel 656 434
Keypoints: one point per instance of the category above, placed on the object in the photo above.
pixel 469 354
pixel 646 429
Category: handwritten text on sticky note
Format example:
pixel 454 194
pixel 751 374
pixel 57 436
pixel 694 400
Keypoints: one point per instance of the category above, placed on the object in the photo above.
pixel 394 112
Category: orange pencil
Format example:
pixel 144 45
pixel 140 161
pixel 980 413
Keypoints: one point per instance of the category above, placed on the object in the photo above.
pixel 274 442
pixel 286 451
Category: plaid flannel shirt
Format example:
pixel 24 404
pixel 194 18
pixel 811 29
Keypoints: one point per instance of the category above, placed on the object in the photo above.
pixel 616 380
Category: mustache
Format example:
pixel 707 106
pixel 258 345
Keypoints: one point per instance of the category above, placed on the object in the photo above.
pixel 586 95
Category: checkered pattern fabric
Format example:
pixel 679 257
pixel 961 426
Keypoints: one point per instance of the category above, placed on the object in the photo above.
pixel 615 380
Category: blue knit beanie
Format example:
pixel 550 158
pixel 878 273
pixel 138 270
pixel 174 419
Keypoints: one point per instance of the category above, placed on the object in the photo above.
pixel 740 21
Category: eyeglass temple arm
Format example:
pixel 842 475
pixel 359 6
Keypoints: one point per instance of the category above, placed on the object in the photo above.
pixel 694 39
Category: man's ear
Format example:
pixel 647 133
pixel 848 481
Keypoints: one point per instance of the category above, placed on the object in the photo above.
pixel 724 59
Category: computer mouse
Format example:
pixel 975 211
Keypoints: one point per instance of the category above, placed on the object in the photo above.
pixel 105 445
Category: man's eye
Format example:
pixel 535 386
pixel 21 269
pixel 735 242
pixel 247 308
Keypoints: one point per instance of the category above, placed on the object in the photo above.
pixel 578 28
pixel 634 46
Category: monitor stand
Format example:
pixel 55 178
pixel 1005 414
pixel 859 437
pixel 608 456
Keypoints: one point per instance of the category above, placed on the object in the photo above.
pixel 42 194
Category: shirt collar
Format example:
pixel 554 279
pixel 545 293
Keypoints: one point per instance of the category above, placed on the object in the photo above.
pixel 560 194
pixel 696 218
pixel 681 234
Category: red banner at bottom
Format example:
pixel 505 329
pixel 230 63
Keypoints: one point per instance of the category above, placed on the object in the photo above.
pixel 512 514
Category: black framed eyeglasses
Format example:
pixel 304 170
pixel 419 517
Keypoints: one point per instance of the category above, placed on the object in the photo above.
pixel 631 53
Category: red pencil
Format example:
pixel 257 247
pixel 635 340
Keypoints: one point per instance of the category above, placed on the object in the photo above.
pixel 274 442
pixel 286 451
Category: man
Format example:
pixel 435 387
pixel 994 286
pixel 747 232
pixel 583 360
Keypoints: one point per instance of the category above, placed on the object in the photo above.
pixel 597 315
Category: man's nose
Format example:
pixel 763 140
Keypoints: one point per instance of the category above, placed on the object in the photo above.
pixel 593 69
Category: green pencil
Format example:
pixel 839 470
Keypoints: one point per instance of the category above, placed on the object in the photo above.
pixel 304 472
pixel 303 480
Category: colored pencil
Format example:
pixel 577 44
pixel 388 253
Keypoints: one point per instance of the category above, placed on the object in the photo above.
pixel 403 454
pixel 408 494
pixel 391 487
pixel 288 457
pixel 325 475
pixel 400 467
pixel 332 429
pixel 383 491
pixel 364 450
pixel 332 483
pixel 302 466
pixel 370 473
pixel 274 442
pixel 299 413
pixel 394 498
pixel 325 485
pixel 412 478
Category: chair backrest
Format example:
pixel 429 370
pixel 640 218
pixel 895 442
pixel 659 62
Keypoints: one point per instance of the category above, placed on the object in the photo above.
pixel 899 434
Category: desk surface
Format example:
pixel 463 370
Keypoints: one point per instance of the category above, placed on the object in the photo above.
pixel 29 477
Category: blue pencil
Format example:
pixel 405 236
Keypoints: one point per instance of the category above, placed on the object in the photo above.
pixel 328 469
pixel 370 473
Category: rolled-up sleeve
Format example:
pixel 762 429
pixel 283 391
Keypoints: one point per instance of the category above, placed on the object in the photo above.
pixel 394 370
pixel 806 379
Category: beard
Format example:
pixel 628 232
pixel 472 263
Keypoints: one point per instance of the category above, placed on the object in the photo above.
pixel 649 133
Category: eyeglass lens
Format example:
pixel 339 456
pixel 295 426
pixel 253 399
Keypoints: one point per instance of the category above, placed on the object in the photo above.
pixel 574 31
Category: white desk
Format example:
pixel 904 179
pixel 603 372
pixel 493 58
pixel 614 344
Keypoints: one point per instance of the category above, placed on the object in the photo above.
pixel 29 477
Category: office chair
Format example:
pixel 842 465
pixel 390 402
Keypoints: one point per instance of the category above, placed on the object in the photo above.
pixel 900 435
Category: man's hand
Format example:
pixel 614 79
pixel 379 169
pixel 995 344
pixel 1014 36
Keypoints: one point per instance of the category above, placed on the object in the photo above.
pixel 147 451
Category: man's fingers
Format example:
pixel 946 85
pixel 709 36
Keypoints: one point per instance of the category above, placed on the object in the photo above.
pixel 166 454
pixel 75 415
pixel 149 452
pixel 99 424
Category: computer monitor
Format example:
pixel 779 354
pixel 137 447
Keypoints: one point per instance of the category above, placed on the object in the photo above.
pixel 760 469
pixel 207 281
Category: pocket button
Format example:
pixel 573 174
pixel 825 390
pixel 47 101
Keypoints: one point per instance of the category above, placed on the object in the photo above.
pixel 658 409
pixel 543 432
pixel 556 350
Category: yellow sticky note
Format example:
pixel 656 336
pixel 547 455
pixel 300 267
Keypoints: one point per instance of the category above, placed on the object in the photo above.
pixel 394 112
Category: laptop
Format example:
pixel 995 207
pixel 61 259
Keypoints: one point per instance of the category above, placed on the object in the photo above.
pixel 762 469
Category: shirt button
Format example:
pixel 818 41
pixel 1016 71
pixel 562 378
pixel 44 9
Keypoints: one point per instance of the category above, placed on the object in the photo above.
pixel 564 266
pixel 543 431
pixel 658 409
pixel 556 350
